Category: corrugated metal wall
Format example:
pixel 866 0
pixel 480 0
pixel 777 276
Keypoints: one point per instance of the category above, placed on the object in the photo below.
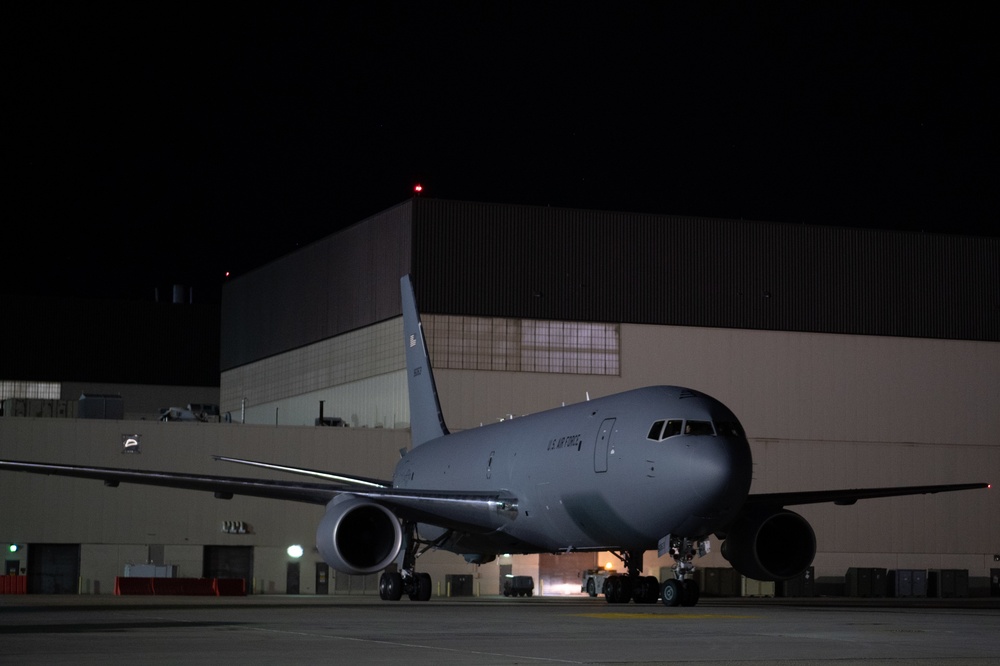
pixel 551 263
pixel 554 263
pixel 338 284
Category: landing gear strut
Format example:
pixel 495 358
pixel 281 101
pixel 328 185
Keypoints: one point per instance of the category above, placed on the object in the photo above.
pixel 682 590
pixel 620 589
pixel 416 585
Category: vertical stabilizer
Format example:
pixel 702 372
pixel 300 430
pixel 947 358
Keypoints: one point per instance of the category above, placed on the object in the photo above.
pixel 426 420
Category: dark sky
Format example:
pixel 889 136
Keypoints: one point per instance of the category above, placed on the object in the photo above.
pixel 151 143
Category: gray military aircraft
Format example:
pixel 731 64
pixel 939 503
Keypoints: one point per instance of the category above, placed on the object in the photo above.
pixel 662 467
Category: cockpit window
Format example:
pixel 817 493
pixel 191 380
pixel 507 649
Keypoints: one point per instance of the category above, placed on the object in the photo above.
pixel 729 428
pixel 698 428
pixel 663 429
pixel 673 428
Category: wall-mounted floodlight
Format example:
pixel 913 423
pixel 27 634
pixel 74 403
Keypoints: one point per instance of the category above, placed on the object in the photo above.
pixel 295 551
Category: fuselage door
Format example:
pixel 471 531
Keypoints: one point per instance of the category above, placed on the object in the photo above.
pixel 603 445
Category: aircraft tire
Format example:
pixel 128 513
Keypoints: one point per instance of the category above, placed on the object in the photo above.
pixel 390 586
pixel 421 587
pixel 692 593
pixel 648 592
pixel 672 592
pixel 613 589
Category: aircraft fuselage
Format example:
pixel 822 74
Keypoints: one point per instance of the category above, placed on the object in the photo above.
pixel 611 473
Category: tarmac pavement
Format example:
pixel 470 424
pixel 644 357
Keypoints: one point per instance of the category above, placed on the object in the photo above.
pixel 45 629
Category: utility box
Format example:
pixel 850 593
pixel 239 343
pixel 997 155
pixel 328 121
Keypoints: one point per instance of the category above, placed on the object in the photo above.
pixel 458 585
pixel 101 406
pixel 866 582
pixel 519 586
pixel 757 588
pixel 719 582
pixel 803 585
pixel 948 583
pixel 907 583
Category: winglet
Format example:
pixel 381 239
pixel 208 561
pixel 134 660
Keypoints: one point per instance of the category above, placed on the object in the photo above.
pixel 426 419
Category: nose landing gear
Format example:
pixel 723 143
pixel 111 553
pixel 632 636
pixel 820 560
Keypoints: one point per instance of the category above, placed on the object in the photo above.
pixel 682 590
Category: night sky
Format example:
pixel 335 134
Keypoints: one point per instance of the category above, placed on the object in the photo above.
pixel 148 144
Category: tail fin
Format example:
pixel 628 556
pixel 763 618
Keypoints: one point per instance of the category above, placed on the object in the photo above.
pixel 426 420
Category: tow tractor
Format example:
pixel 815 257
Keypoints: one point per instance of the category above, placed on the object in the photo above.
pixel 593 580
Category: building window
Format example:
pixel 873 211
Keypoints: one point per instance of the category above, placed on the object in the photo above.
pixel 32 390
pixel 523 345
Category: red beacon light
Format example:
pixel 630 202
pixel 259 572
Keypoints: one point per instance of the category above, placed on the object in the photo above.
pixel 418 188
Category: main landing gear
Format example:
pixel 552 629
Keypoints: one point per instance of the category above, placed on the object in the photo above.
pixel 622 588
pixel 682 590
pixel 416 585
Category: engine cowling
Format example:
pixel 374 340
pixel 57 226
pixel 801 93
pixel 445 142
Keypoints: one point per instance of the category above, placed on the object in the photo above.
pixel 770 545
pixel 357 536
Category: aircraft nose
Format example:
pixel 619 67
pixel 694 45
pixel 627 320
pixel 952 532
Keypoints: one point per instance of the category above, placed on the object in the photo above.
pixel 719 471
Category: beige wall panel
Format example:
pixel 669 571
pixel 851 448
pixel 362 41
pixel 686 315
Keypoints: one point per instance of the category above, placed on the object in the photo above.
pixel 100 564
pixel 189 559
pixel 375 402
pixel 66 510
pixel 807 386
pixel 316 368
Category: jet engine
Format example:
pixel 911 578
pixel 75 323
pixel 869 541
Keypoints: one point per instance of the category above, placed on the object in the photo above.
pixel 770 545
pixel 357 536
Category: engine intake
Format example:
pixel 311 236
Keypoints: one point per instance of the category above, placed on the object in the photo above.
pixel 358 537
pixel 770 545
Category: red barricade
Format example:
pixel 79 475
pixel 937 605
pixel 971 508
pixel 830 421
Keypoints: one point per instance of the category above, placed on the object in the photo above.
pixel 13 584
pixel 206 587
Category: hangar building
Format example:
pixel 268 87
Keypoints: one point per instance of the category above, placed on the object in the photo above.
pixel 853 358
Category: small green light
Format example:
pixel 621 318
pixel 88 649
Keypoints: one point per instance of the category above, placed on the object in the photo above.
pixel 13 548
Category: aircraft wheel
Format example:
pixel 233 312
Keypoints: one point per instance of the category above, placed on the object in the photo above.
pixel 421 587
pixel 390 586
pixel 691 593
pixel 625 593
pixel 649 590
pixel 591 588
pixel 672 592
pixel 613 589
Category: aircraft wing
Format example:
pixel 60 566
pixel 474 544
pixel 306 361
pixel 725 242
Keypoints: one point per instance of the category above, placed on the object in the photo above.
pixel 847 497
pixel 469 511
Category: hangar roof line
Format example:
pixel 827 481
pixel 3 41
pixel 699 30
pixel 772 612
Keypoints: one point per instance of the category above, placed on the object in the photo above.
pixel 536 262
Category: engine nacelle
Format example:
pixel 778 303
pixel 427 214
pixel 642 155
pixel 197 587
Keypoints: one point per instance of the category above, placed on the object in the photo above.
pixel 770 546
pixel 357 536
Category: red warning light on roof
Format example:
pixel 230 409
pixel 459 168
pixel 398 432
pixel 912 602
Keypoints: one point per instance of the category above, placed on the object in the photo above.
pixel 418 188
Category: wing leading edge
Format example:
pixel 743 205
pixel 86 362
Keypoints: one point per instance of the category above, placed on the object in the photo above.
pixel 847 497
pixel 472 511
